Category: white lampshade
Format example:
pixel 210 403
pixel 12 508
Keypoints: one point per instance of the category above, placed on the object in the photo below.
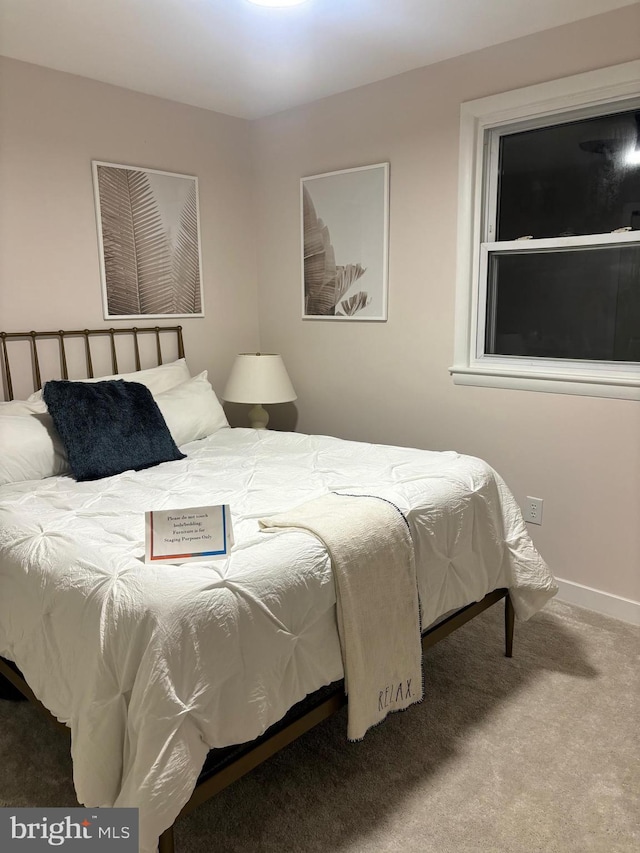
pixel 258 378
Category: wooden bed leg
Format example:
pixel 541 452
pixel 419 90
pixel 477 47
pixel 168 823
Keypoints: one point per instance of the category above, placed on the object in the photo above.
pixel 166 844
pixel 509 619
pixel 9 692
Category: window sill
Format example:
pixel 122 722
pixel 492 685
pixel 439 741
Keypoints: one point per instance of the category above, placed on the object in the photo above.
pixel 615 386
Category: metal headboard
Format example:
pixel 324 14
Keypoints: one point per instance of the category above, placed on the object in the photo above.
pixel 87 334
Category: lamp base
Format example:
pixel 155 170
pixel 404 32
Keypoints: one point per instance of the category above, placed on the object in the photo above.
pixel 258 417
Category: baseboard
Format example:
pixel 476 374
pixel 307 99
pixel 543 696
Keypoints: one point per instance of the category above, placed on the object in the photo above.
pixel 602 602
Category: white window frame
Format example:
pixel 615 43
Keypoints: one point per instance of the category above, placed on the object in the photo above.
pixel 592 93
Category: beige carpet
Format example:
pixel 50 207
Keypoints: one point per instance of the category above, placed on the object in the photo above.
pixel 537 753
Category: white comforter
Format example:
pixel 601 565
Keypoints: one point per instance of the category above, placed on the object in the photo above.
pixel 151 666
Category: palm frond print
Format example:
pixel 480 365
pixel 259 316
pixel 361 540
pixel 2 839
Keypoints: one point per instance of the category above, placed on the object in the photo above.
pixel 144 273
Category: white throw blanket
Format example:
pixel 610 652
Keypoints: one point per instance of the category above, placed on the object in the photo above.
pixel 371 550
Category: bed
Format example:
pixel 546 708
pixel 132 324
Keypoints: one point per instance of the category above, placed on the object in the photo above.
pixel 175 680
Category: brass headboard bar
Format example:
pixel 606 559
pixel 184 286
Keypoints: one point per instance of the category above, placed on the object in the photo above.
pixel 76 332
pixel 114 357
pixel 87 353
pixel 62 335
pixel 36 363
pixel 7 367
pixel 63 356
pixel 136 348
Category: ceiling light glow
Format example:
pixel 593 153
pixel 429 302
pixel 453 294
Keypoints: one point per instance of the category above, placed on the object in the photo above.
pixel 632 157
pixel 277 2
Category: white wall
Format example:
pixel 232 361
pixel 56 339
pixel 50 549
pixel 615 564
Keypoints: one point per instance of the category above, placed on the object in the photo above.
pixel 389 382
pixel 51 126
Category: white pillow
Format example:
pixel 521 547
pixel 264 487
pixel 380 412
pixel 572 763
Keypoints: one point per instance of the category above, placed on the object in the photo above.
pixel 31 447
pixel 157 379
pixel 191 410
pixel 20 408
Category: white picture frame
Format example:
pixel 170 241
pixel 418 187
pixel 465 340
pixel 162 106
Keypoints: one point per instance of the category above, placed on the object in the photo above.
pixel 148 225
pixel 345 244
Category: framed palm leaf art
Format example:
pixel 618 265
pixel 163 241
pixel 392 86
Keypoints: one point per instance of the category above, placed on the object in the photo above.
pixel 345 244
pixel 149 240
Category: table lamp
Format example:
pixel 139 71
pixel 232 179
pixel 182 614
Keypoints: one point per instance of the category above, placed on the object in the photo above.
pixel 258 378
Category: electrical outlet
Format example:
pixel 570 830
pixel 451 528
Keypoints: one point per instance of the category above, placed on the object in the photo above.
pixel 533 510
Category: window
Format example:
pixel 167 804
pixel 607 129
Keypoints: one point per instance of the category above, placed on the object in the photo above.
pixel 549 237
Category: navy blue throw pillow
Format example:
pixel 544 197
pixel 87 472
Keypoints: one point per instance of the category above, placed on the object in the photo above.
pixel 109 427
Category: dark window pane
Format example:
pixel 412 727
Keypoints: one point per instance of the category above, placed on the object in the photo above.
pixel 570 179
pixel 574 304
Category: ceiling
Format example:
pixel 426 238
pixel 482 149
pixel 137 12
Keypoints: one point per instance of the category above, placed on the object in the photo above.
pixel 250 61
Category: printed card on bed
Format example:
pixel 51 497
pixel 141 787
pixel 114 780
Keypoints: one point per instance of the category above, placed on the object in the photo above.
pixel 185 535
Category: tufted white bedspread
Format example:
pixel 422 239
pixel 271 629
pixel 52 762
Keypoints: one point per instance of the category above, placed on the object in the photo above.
pixel 150 666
